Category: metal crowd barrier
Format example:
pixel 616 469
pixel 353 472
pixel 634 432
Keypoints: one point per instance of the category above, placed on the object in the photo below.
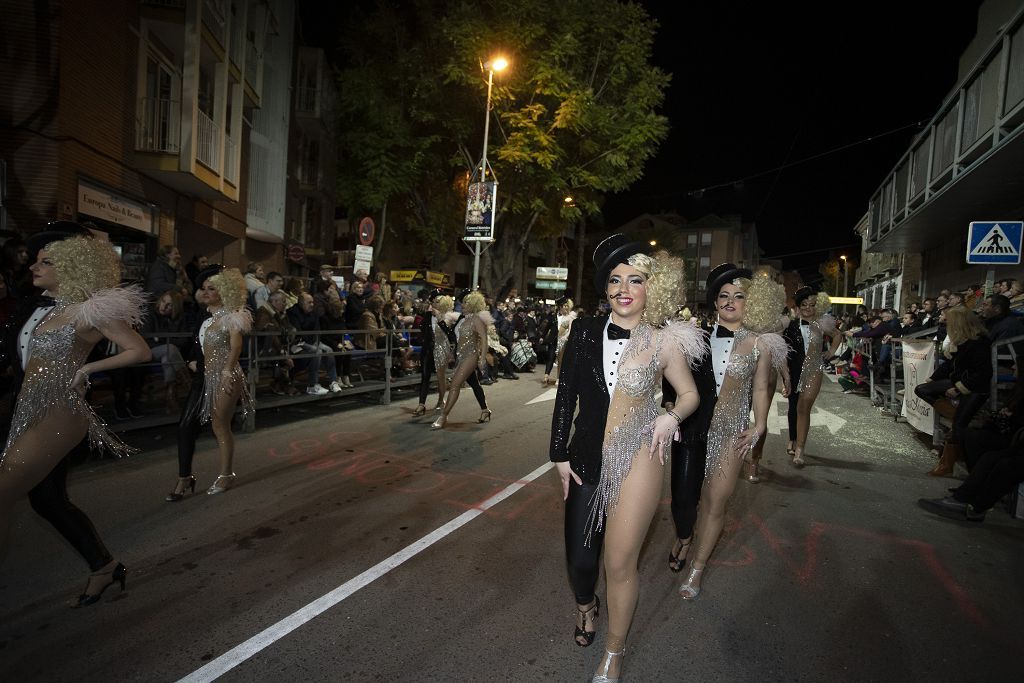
pixel 252 360
pixel 1009 353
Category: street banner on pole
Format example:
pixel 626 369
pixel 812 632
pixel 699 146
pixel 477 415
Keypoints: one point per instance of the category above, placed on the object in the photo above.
pixel 991 242
pixel 918 363
pixel 481 199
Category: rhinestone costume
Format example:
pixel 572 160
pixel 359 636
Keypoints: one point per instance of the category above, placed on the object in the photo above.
pixel 814 362
pixel 442 347
pixel 216 352
pixel 633 409
pixel 732 411
pixel 468 341
pixel 56 354
pixel 564 323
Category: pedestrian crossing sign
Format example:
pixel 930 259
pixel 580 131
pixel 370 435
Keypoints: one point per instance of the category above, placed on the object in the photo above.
pixel 995 242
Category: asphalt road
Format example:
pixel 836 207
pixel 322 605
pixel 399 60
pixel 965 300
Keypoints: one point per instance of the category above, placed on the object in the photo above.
pixel 360 546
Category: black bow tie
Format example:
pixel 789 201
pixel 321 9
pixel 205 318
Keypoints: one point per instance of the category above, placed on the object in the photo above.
pixel 42 301
pixel 616 332
pixel 805 322
pixel 724 332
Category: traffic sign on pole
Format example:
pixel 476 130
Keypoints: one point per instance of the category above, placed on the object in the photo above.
pixel 991 242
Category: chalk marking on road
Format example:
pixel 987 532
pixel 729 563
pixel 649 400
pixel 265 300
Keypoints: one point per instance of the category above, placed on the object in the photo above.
pixel 232 658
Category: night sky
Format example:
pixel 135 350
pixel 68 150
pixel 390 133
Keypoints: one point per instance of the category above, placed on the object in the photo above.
pixel 755 89
pixel 758 85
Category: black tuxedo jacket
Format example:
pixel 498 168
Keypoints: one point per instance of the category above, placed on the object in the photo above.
pixel 795 341
pixel 694 429
pixel 581 380
pixel 11 372
pixel 195 352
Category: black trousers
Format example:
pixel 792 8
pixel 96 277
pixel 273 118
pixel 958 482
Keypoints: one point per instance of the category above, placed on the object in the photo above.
pixel 794 398
pixel 995 474
pixel 50 500
pixel 977 442
pixel 426 370
pixel 474 383
pixel 189 426
pixel 967 408
pixel 583 561
pixel 687 479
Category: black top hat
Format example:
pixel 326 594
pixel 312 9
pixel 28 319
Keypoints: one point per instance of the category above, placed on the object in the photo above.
pixel 803 293
pixel 206 273
pixel 434 293
pixel 55 232
pixel 720 276
pixel 610 253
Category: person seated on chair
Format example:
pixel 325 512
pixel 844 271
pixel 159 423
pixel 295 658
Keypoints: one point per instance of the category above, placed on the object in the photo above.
pixel 303 316
pixel 272 317
pixel 966 379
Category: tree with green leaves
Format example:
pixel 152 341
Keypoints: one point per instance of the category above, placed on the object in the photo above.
pixel 576 114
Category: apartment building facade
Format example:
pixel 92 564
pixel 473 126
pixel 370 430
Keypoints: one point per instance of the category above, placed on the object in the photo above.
pixel 136 116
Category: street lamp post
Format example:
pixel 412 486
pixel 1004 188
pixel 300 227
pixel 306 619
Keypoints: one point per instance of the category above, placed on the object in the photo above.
pixel 497 64
pixel 846 272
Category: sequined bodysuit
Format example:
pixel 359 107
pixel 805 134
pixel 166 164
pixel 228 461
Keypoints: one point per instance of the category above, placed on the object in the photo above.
pixel 216 352
pixel 813 361
pixel 633 409
pixel 55 356
pixel 442 347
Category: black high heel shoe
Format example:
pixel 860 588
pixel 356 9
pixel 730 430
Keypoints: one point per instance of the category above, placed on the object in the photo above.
pixel 583 637
pixel 676 561
pixel 174 496
pixel 485 415
pixel 118 575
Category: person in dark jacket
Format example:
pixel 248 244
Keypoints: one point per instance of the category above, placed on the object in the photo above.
pixel 1002 324
pixel 965 379
pixel 163 273
pixel 303 316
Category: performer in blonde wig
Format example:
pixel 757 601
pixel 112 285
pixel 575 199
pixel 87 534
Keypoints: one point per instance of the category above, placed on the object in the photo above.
pixel 807 354
pixel 437 341
pixel 51 415
pixel 751 308
pixel 223 381
pixel 754 463
pixel 644 292
pixel 471 345
pixel 564 318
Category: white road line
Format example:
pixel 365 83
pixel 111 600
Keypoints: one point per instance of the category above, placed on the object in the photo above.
pixel 232 658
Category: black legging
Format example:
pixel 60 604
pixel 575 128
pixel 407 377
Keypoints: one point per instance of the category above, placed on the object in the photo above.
pixel 50 500
pixel 189 426
pixel 426 370
pixel 794 398
pixel 583 561
pixel 474 383
pixel 966 409
pixel 687 479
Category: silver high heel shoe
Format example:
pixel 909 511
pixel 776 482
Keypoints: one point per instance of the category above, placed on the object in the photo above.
pixel 605 666
pixel 691 587
pixel 221 484
pixel 798 457
pixel 439 422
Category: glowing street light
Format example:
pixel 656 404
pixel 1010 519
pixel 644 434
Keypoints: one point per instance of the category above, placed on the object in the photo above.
pixel 654 243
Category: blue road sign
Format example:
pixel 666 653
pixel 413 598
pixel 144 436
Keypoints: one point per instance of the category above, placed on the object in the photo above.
pixel 995 242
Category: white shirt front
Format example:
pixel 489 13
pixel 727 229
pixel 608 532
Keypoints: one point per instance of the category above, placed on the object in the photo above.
pixel 805 332
pixel 721 350
pixel 202 331
pixel 25 337
pixel 613 349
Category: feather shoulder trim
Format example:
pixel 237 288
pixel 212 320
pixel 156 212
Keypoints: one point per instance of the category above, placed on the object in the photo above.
pixel 784 321
pixel 776 348
pixel 451 317
pixel 692 341
pixel 827 323
pixel 108 305
pixel 486 317
pixel 239 320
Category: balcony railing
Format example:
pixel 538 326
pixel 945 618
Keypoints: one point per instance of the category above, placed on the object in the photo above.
pixel 215 18
pixel 230 160
pixel 307 99
pixel 258 202
pixel 985 110
pixel 208 144
pixel 158 126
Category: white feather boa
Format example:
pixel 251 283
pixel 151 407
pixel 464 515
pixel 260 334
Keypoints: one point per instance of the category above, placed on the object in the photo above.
pixel 451 317
pixel 109 305
pixel 691 340
pixel 776 348
pixel 827 324
pixel 239 320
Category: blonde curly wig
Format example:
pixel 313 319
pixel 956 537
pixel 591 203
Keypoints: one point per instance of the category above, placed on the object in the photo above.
pixel 474 302
pixel 567 306
pixel 230 284
pixel 443 304
pixel 822 304
pixel 84 265
pixel 666 289
pixel 765 298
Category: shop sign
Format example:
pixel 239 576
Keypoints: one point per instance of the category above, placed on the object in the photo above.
pixel 438 279
pixel 402 275
pixel 551 284
pixel 296 252
pixel 107 206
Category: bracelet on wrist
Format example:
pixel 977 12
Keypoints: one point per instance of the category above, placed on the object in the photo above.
pixel 673 414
